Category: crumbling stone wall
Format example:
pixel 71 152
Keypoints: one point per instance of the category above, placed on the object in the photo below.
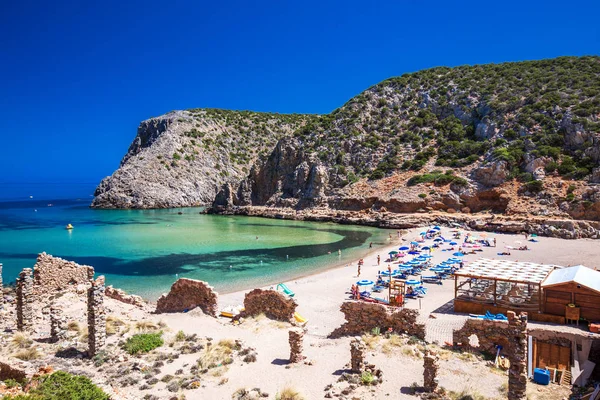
pixel 120 295
pixel 187 294
pixel 96 316
pixel 1 288
pixel 51 274
pixel 9 372
pixel 25 300
pixel 512 332
pixel 296 338
pixel 430 369
pixel 362 317
pixel 273 304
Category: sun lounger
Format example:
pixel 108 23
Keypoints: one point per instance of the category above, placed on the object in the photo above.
pixel 432 279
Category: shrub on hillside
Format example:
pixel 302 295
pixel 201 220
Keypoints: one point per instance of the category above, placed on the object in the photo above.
pixel 143 343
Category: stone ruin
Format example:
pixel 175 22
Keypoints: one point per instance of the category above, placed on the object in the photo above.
pixel 11 372
pixel 96 316
pixel 123 297
pixel 296 338
pixel 512 335
pixel 357 355
pixel 52 274
pixel 273 304
pixel 186 294
pixel 1 288
pixel 430 370
pixel 58 323
pixel 362 317
pixel 25 300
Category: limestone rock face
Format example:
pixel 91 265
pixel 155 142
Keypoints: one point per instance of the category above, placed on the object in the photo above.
pixel 492 174
pixel 182 158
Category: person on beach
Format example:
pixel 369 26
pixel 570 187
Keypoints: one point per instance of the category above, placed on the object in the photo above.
pixel 494 242
pixel 371 245
pixel 339 252
pixel 359 264
pixel 378 259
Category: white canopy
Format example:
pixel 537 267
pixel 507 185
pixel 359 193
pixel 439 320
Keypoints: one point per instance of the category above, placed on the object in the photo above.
pixel 579 274
pixel 505 270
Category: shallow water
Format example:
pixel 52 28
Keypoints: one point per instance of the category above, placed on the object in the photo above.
pixel 144 251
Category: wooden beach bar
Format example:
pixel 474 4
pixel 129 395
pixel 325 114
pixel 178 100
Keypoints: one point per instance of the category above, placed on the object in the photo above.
pixel 498 286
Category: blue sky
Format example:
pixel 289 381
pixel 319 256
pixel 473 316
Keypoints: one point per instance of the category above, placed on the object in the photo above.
pixel 78 77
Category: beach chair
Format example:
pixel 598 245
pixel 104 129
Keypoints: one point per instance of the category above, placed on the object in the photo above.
pixel 432 279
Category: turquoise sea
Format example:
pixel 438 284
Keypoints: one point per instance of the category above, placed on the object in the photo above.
pixel 144 251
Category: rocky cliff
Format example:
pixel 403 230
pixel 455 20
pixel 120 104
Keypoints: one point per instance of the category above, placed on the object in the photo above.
pixel 515 138
pixel 181 159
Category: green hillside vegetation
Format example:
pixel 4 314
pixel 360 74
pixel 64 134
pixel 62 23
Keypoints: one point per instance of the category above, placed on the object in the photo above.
pixel 432 116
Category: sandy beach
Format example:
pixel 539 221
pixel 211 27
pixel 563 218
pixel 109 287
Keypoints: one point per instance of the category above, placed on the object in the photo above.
pixel 319 298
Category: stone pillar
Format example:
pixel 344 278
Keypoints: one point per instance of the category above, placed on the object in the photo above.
pixel 431 366
pixel 58 324
pixel 357 355
pixel 96 316
pixel 517 355
pixel 25 300
pixel 296 344
pixel 1 288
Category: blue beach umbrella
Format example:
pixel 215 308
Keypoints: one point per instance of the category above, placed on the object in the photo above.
pixel 458 254
pixel 423 233
pixel 426 248
pixel 404 248
pixel 415 243
pixel 427 256
pixel 437 228
pixel 438 240
pixel 453 243
pixel 364 282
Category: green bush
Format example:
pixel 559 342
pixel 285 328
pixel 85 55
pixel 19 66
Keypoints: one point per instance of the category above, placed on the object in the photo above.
pixel 422 195
pixel 143 343
pixel 438 178
pixel 63 386
pixel 535 186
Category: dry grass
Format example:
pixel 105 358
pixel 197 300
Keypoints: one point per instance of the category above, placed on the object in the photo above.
pixel 371 341
pixel 73 326
pixel 390 345
pixel 113 324
pixel 467 356
pixel 146 326
pixel 216 355
pixel 289 393
pixel 28 354
pixel 466 394
pixel 21 340
pixel 280 324
pixel 83 334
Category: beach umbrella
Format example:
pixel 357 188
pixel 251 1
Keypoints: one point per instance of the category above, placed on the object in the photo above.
pixel 413 252
pixel 438 240
pixel 432 231
pixel 388 273
pixel 427 256
pixel 393 252
pixel 404 248
pixel 458 254
pixel 364 282
pixel 453 243
pixel 412 282
pixel 437 228
pixel 426 248
pixel 415 243
pixel 533 235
